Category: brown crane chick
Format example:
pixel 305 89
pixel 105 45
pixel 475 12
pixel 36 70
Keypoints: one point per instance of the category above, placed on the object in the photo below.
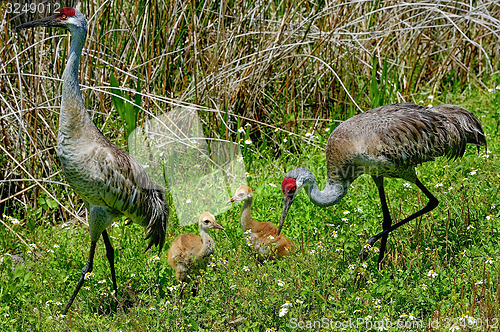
pixel 263 237
pixel 189 252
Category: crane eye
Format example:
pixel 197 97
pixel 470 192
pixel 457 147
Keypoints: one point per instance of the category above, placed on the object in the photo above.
pixel 63 17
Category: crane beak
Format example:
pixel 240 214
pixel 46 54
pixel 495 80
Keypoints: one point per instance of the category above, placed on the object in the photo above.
pixel 230 201
pixel 286 205
pixel 50 21
pixel 217 226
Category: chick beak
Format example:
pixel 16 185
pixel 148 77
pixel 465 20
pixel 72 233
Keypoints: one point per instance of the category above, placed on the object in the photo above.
pixel 217 226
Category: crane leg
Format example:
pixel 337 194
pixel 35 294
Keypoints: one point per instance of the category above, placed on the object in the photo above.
pixel 110 254
pixel 194 289
pixel 86 269
pixel 387 222
pixel 433 202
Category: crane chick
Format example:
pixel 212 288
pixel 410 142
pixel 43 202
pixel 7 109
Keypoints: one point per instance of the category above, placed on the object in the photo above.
pixel 262 236
pixel 189 252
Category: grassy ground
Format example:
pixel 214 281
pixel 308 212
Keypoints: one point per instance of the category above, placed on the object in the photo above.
pixel 459 241
pixel 300 70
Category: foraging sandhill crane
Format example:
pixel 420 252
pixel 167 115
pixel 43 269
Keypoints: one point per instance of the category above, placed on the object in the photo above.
pixel 189 252
pixel 388 141
pixel 110 181
pixel 262 236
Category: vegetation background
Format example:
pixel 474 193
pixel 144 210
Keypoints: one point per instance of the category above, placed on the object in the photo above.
pixel 287 72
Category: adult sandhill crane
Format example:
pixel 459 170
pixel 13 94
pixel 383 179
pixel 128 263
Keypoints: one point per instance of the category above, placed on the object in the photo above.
pixel 388 141
pixel 189 252
pixel 262 236
pixel 110 181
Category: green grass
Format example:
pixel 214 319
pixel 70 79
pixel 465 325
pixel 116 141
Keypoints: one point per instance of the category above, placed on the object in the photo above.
pixel 324 280
pixel 299 70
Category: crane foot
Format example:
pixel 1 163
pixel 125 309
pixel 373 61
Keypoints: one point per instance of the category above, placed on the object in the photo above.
pixel 366 248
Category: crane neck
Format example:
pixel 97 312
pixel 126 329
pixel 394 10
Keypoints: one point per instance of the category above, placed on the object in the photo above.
pixel 246 220
pixel 208 244
pixel 330 195
pixel 73 115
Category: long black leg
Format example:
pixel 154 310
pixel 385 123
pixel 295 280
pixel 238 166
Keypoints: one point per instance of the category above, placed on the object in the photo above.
pixel 433 202
pixel 194 288
pixel 387 222
pixel 110 254
pixel 86 269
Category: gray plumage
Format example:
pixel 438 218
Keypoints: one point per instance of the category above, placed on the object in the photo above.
pixel 388 141
pixel 110 181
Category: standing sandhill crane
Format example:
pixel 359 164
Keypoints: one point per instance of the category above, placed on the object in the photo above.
pixel 189 252
pixel 388 141
pixel 262 236
pixel 110 181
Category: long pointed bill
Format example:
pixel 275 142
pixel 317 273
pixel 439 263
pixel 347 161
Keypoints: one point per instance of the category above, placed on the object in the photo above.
pixel 286 205
pixel 217 226
pixel 50 21
pixel 230 201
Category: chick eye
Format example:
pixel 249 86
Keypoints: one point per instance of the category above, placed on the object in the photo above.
pixel 205 221
pixel 240 194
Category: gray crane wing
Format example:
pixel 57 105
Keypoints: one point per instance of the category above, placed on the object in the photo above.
pixel 127 188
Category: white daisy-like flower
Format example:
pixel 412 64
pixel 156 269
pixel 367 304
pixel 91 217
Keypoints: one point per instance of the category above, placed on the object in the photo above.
pixel 241 130
pixel 432 274
pixel 248 141
pixel 283 312
pixel 154 259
